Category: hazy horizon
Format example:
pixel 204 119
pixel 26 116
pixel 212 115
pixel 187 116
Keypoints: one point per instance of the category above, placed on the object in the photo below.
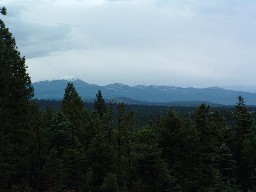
pixel 72 78
pixel 183 43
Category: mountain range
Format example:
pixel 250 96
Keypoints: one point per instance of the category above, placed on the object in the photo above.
pixel 141 94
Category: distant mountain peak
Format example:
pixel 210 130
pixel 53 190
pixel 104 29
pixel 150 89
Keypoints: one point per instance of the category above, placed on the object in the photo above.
pixel 69 78
pixel 117 85
pixel 215 87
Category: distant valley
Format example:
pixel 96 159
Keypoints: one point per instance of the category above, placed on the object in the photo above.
pixel 145 95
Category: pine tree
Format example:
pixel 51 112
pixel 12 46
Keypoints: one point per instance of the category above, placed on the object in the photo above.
pixel 226 167
pixel 169 135
pixel 180 142
pixel 202 114
pixel 208 134
pixel 60 134
pixel 48 115
pixel 15 93
pixel 152 173
pixel 73 108
pixel 243 127
pixel 66 150
pixel 38 149
pixel 102 156
pixel 100 105
pixel 250 155
pixel 124 135
pixel 102 159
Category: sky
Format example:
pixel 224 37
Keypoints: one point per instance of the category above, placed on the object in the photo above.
pixel 186 43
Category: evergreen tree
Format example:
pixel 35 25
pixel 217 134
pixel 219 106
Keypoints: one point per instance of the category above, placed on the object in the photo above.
pixel 201 120
pixel 152 172
pixel 38 148
pixel 250 156
pixel 47 116
pixel 108 120
pixel 100 105
pixel 102 160
pixel 15 93
pixel 54 172
pixel 179 141
pixel 243 129
pixel 60 134
pixel 73 108
pixel 208 129
pixel 125 147
pixel 169 136
pixel 66 151
pixel 226 169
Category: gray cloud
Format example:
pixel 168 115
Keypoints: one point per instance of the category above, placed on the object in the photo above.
pixel 174 42
pixel 41 40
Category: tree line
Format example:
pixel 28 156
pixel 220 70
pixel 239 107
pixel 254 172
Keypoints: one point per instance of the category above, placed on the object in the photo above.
pixel 74 149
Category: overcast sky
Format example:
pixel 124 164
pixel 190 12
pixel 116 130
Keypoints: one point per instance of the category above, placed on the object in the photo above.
pixel 199 43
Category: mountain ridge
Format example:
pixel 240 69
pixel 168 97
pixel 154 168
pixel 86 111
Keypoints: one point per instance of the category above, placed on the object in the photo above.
pixel 54 89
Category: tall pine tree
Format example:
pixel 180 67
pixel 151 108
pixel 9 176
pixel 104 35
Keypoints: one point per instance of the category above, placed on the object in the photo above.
pixel 15 93
pixel 242 130
pixel 73 107
pixel 100 105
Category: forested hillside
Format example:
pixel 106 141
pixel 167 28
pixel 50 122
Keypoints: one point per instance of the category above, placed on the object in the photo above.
pixel 76 149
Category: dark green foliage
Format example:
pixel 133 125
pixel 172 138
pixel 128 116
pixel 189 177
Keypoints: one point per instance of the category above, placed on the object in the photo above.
pixel 169 135
pixel 73 108
pixel 60 133
pixel 179 142
pixel 99 105
pixel 66 156
pixel 243 129
pixel 17 135
pixel 250 157
pixel 103 151
pixel 208 145
pixel 72 104
pixel 110 183
pixel 54 172
pixel 225 165
pixel 124 147
pixel 102 159
pixel 152 172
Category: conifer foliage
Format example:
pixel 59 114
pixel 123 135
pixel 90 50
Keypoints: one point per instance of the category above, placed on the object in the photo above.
pixel 15 94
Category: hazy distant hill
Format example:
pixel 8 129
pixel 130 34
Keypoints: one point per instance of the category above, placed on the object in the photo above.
pixel 142 94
